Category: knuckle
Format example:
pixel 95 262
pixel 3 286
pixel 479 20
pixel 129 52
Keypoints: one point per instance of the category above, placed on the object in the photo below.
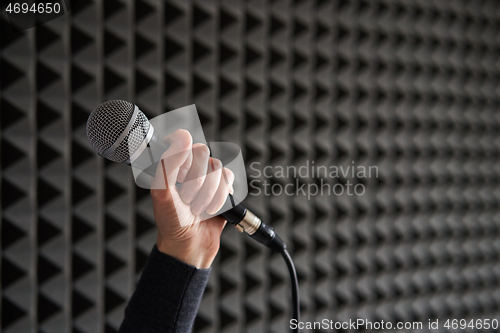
pixel 201 150
pixel 182 132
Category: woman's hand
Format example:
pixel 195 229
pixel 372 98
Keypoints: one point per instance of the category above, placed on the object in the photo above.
pixel 182 231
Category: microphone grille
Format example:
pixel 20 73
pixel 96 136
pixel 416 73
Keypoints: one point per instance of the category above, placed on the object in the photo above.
pixel 108 121
pixel 133 140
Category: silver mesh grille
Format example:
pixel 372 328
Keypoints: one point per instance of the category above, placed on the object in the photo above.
pixel 108 121
pixel 133 140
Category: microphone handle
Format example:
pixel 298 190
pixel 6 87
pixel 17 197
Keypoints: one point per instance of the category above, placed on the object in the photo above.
pixel 243 219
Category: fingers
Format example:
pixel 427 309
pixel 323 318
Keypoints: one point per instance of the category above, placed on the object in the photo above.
pixel 183 170
pixel 206 184
pixel 196 174
pixel 225 187
pixel 175 156
pixel 209 188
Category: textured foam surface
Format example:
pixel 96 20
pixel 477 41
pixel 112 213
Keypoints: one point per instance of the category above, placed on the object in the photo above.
pixel 408 86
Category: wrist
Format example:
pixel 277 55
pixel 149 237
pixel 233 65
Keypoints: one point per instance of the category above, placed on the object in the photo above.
pixel 186 252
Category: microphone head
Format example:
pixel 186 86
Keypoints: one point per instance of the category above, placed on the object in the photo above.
pixel 106 129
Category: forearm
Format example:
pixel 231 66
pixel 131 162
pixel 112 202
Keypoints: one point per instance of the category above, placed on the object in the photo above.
pixel 167 296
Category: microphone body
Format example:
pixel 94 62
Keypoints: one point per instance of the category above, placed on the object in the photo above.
pixel 138 143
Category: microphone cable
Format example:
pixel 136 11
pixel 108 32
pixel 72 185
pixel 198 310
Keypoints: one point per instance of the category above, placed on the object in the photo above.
pixel 295 286
pixel 245 221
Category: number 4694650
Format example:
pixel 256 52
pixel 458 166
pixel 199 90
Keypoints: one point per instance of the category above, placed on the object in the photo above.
pixel 473 324
pixel 40 8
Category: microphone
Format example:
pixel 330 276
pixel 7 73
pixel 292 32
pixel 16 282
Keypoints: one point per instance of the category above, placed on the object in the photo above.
pixel 119 131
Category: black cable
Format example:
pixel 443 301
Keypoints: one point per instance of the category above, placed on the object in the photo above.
pixel 295 286
pixel 262 233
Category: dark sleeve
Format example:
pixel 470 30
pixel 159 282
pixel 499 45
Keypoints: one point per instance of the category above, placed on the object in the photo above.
pixel 167 296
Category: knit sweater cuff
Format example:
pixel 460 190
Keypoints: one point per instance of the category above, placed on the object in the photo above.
pixel 167 295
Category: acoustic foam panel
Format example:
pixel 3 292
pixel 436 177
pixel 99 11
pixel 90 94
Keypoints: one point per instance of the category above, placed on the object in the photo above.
pixel 408 86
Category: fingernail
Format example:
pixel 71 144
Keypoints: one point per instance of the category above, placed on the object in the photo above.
pixel 197 208
pixel 187 196
pixel 231 190
pixel 182 175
